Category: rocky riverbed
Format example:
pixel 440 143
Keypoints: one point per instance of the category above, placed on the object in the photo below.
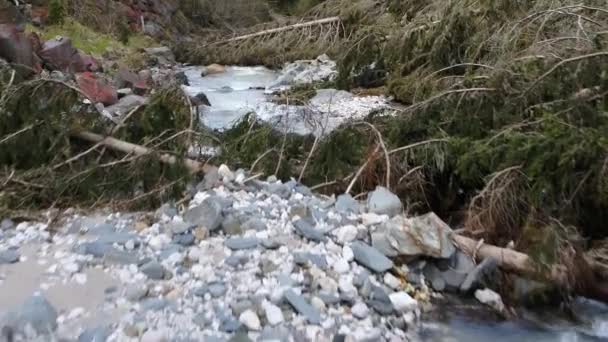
pixel 246 260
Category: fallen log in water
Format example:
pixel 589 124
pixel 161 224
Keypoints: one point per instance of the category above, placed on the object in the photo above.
pixel 127 147
pixel 580 277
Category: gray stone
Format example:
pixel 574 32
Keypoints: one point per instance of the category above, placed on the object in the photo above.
pixel 9 256
pixel 453 279
pixel 154 304
pixel 136 293
pixel 208 214
pixel 271 244
pixel 303 258
pixel 279 189
pixel 303 307
pixel 166 209
pixel 254 224
pixel 383 202
pixel 102 229
pixel 475 278
pixel 425 235
pixel 211 179
pixel 185 240
pixel 236 260
pixel 345 203
pixel 275 334
pixel 379 300
pixel 38 313
pixel 95 248
pixel 240 337
pixel 232 226
pixel 433 275
pixel 241 306
pixel 180 227
pixel 114 256
pixel 153 270
pixel 118 238
pixel 329 298
pixel 169 250
pixel 230 325
pixel 98 334
pixel 125 105
pixel 370 257
pixel 181 78
pixel 306 230
pixel 7 224
pixel 217 289
pixel 242 243
pixel 304 190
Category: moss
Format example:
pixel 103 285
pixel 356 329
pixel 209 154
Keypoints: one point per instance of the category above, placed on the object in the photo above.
pixel 90 41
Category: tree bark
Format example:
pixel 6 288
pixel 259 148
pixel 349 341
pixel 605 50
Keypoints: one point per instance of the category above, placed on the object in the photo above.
pixel 127 147
pixel 282 29
pixel 582 275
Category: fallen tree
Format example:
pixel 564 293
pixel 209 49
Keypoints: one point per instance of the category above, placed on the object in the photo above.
pixel 580 276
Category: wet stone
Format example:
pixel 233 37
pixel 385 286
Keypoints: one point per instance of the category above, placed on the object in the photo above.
pixel 9 256
pixel 241 243
pixel 306 230
pixel 303 307
pixel 370 257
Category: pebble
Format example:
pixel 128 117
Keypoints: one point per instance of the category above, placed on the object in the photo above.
pixel 242 243
pixel 274 315
pixel 370 257
pixel 403 302
pixel 251 320
pixel 360 310
pixel 301 306
pixel 154 336
pixel 392 281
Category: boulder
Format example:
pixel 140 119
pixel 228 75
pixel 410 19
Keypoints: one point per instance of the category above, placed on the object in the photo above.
pixel 200 99
pixel 425 235
pixel 125 105
pixel 163 54
pixel 18 47
pixel 60 54
pixel 213 69
pixel 125 78
pixel 383 202
pixel 370 257
pixel 96 89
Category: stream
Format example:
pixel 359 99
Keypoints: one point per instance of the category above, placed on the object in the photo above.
pixel 241 90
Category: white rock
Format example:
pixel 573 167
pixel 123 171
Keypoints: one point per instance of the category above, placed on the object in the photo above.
pixel 80 278
pixel 225 172
pixel 348 254
pixel 346 234
pixel 274 315
pixel 392 281
pixel 318 303
pixel 341 266
pixel 154 336
pixel 403 302
pixel 157 242
pixel 490 298
pixel 75 313
pixel 345 284
pixel 360 310
pixel 370 219
pixel 251 320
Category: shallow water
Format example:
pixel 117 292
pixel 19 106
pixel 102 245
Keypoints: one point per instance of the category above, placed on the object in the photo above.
pixel 232 94
pixel 588 323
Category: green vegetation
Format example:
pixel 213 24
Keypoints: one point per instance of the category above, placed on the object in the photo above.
pixel 56 12
pixel 90 41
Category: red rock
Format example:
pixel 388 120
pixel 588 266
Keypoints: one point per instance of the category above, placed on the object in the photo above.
pixel 17 47
pixel 60 54
pixel 96 89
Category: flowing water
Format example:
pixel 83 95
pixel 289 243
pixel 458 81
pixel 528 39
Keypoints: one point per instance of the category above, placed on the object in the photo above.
pixel 241 90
